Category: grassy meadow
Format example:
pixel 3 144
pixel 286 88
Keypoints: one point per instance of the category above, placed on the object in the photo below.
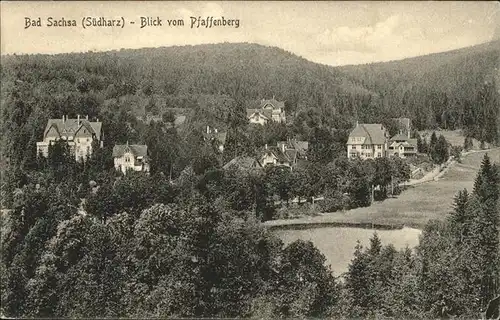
pixel 416 205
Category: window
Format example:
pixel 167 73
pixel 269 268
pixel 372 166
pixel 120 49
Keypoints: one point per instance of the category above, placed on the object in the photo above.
pixel 379 155
pixel 353 147
pixel 379 146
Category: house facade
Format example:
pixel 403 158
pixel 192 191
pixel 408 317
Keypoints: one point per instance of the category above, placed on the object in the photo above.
pixel 367 141
pixel 285 153
pixel 268 110
pixel 79 134
pixel 401 145
pixel 133 157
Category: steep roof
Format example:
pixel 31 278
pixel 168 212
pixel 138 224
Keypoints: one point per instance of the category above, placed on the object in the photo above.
pixel 70 126
pixel 400 137
pixel 138 150
pixel 242 163
pixel 266 113
pixel 282 157
pixel 291 154
pixel 374 133
pixel 273 102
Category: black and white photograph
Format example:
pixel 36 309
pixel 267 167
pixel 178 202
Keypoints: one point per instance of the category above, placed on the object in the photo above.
pixel 250 159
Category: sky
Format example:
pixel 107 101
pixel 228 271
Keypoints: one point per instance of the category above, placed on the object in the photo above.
pixel 328 32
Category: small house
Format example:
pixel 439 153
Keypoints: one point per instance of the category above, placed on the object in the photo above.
pixel 131 157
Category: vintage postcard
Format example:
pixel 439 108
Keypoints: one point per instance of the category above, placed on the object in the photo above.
pixel 250 159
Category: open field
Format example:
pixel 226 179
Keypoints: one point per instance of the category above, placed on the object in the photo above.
pixel 416 205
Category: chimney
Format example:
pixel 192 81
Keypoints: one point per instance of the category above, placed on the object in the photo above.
pixel 283 147
pixel 265 146
pixel 357 123
pixel 63 118
pixel 215 130
pixel 87 117
pixel 78 119
pixel 409 135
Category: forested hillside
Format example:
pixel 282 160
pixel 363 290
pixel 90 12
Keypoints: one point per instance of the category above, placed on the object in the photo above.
pixel 451 90
pixel 448 90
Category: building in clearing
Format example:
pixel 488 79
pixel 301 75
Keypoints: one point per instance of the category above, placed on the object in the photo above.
pixel 133 157
pixel 79 133
pixel 268 110
pixel 367 141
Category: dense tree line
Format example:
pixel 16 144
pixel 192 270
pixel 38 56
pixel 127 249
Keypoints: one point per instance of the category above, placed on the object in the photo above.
pixel 179 252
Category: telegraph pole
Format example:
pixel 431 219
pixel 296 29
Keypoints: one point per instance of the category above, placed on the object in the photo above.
pixel 392 185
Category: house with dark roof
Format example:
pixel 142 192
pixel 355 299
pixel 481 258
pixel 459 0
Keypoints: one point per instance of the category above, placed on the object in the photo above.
pixel 216 137
pixel 285 153
pixel 367 141
pixel 267 110
pixel 127 157
pixel 79 133
pixel 243 163
pixel 402 146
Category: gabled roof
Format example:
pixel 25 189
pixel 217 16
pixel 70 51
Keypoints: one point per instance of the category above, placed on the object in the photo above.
pixel 291 154
pixel 242 163
pixel 138 150
pixel 273 102
pixel 400 137
pixel 276 152
pixel 268 114
pixel 374 133
pixel 408 143
pixel 71 126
